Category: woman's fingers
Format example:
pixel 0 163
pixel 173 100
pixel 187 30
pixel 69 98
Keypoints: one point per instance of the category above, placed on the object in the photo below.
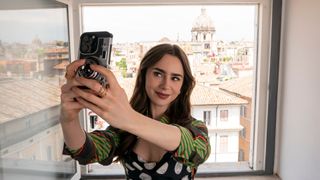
pixel 92 102
pixel 93 84
pixel 107 102
pixel 68 96
pixel 96 87
pixel 66 88
pixel 68 101
pixel 72 105
pixel 102 92
pixel 111 79
pixel 71 83
pixel 72 68
pixel 100 112
pixel 89 96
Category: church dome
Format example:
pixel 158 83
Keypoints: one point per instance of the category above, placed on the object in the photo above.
pixel 203 22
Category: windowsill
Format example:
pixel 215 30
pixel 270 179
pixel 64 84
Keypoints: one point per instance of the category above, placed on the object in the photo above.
pixel 115 171
pixel 273 177
pixel 36 169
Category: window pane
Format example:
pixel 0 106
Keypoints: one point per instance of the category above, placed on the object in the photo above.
pixel 34 50
pixel 223 144
pixel 207 117
pixel 224 115
pixel 221 46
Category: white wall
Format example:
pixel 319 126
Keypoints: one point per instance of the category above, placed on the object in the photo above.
pixel 233 147
pixel 230 128
pixel 197 112
pixel 298 144
pixel 233 115
pixel 36 147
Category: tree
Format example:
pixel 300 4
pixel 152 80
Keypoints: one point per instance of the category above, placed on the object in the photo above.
pixel 122 65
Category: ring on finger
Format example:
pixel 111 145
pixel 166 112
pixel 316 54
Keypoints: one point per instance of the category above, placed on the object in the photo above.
pixel 102 92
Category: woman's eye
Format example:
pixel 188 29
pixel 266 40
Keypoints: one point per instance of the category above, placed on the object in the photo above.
pixel 175 78
pixel 157 74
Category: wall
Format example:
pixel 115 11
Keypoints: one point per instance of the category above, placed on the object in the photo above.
pixel 298 145
pixel 230 129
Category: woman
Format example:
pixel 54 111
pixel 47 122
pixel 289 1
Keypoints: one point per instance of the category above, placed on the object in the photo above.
pixel 153 136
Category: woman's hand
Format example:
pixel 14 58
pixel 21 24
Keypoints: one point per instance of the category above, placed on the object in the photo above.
pixel 110 103
pixel 69 106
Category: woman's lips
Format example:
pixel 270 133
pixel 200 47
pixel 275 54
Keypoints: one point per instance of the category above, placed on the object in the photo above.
pixel 162 96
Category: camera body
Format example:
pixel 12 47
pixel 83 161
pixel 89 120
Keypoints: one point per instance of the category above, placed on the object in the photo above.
pixel 95 48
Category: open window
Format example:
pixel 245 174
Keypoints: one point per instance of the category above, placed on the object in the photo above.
pixel 34 50
pixel 228 45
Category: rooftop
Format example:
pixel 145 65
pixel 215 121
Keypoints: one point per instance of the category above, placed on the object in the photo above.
pixel 201 95
pixel 240 86
pixel 20 98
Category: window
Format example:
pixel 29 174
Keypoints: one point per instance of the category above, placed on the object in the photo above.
pixel 221 66
pixel 243 111
pixel 243 133
pixel 34 63
pixel 207 46
pixel 34 50
pixel 207 117
pixel 241 155
pixel 224 115
pixel 223 144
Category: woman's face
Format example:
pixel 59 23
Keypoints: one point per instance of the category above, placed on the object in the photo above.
pixel 163 82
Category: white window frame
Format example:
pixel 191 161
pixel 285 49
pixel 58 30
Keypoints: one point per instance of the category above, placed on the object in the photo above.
pixel 260 112
pixel 244 111
pixel 54 170
pixel 207 117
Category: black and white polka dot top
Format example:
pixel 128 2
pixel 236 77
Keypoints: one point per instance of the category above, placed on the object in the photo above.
pixel 167 168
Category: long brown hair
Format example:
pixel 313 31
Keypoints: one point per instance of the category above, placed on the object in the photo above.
pixel 179 111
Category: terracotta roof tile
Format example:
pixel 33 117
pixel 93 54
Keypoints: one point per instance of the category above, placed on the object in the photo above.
pixel 241 86
pixel 203 95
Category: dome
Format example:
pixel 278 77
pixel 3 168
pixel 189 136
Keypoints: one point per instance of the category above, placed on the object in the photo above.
pixel 203 22
pixel 164 39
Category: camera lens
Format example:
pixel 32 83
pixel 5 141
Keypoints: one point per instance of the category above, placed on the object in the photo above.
pixel 86 44
pixel 85 47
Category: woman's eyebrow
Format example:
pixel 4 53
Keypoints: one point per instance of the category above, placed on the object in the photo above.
pixel 163 71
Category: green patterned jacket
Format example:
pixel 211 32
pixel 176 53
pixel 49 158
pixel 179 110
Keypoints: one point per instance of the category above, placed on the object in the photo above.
pixel 100 145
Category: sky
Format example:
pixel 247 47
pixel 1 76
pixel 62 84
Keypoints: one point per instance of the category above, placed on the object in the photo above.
pixel 174 22
pixel 128 24
pixel 25 25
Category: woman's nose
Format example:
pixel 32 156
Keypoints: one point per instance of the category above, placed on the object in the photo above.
pixel 165 83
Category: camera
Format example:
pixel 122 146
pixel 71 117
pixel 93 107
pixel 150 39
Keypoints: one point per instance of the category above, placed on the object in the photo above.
pixel 95 48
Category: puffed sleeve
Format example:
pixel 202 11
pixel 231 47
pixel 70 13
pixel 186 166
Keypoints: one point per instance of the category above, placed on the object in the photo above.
pixel 194 147
pixel 100 146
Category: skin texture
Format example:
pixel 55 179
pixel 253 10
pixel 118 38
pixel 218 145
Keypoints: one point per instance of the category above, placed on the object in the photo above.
pixel 163 85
